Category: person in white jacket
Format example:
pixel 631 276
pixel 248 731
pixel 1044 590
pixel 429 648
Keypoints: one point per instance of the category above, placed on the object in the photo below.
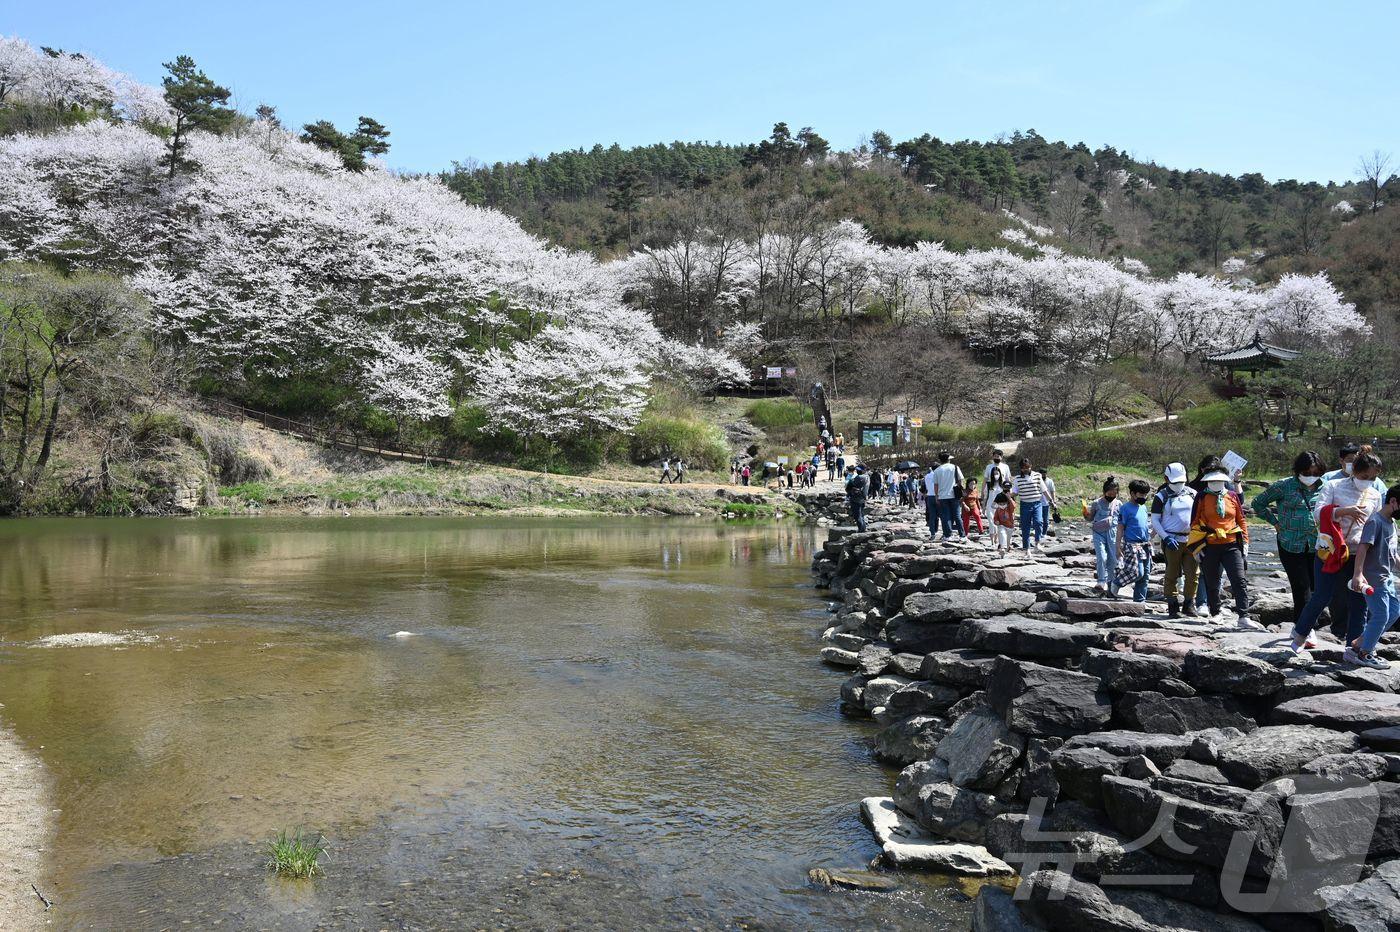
pixel 1356 499
pixel 1172 508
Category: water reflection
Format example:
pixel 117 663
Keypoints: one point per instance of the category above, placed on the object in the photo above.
pixel 587 688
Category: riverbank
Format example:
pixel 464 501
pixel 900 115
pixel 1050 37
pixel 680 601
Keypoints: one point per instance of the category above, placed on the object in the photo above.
pixel 1130 770
pixel 24 833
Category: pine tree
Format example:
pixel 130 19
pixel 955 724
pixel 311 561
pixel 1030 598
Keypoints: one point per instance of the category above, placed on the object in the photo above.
pixel 198 103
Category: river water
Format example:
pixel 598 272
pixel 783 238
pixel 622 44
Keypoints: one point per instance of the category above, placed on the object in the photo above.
pixel 595 724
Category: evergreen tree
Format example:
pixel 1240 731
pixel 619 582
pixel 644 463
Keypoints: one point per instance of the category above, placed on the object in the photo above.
pixel 198 103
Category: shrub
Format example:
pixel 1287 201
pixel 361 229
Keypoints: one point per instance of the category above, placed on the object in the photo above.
pixel 933 433
pixel 986 432
pixel 779 412
pixel 1224 420
pixel 699 443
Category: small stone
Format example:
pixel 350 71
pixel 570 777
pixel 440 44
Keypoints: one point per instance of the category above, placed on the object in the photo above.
pixel 853 880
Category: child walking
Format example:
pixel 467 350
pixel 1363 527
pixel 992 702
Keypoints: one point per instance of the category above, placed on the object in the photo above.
pixel 972 508
pixel 1134 539
pixel 1103 518
pixel 1003 520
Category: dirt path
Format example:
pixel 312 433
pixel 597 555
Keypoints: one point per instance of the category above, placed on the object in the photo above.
pixel 24 832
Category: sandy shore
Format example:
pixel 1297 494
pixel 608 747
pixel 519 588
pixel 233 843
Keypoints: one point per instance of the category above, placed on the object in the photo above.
pixel 24 832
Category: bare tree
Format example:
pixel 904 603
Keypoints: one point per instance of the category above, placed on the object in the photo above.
pixel 941 375
pixel 1372 171
pixel 1166 381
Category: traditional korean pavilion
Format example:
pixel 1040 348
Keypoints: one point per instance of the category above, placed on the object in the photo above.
pixel 1254 356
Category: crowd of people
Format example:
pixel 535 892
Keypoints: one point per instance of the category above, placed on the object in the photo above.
pixel 1335 534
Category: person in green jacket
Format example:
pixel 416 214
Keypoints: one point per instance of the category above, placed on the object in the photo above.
pixel 1288 506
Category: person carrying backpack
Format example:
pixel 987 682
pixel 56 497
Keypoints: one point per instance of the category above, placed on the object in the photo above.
pixel 1172 509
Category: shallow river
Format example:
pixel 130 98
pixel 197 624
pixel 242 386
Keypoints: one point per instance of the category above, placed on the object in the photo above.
pixel 596 724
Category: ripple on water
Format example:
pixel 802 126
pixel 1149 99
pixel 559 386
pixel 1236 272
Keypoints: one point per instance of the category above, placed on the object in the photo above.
pixel 623 725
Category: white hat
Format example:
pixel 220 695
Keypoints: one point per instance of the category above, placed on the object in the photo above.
pixel 1175 472
pixel 1216 476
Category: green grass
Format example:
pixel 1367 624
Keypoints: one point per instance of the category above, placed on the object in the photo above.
pixel 779 412
pixel 258 492
pixel 295 855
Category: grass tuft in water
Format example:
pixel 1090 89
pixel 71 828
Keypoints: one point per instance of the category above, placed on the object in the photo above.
pixel 295 855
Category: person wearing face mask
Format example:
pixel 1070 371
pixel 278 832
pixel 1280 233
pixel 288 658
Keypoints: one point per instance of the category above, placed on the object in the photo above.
pixel 1134 541
pixel 1030 491
pixel 1220 517
pixel 1288 506
pixel 1355 500
pixel 1172 508
pixel 1102 516
pixel 1209 464
pixel 994 476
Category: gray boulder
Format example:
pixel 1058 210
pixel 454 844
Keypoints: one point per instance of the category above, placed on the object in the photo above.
pixel 1021 636
pixel 873 659
pixel 1278 750
pixel 909 739
pixel 1358 767
pixel 962 604
pixel 1039 780
pixel 1186 769
pixel 1101 608
pixel 1352 710
pixel 1238 674
pixel 1300 682
pixel 908 665
pixel 1177 715
pixel 1206 744
pixel 908 635
pixel 995 911
pixel 1369 906
pixel 921 698
pixel 878 690
pixel 1382 681
pixel 942 807
pixel 838 657
pixel 1207 830
pixel 1382 739
pixel 1080 770
pixel 961 668
pixel 1039 700
pixel 980 750
pixel 1160 749
pixel 1054 900
pixel 1125 671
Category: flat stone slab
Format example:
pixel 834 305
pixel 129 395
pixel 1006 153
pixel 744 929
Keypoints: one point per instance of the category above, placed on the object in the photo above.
pixel 1021 636
pixel 905 844
pixel 1352 710
pixel 962 604
pixel 1172 644
pixel 1279 750
pixel 1102 608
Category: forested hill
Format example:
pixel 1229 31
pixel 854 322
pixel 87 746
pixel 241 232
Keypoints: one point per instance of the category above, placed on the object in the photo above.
pixel 1098 202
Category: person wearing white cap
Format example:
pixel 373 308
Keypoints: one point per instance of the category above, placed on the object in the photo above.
pixel 1220 517
pixel 1172 510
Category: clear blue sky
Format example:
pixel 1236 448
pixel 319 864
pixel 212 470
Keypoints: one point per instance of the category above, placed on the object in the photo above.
pixel 1291 88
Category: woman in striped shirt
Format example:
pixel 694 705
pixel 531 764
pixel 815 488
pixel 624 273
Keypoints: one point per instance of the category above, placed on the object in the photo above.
pixel 1029 489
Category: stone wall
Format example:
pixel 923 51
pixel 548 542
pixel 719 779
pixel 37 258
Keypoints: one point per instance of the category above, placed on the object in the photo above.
pixel 1119 769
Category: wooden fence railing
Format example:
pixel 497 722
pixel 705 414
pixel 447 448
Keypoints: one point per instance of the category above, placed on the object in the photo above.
pixel 335 438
